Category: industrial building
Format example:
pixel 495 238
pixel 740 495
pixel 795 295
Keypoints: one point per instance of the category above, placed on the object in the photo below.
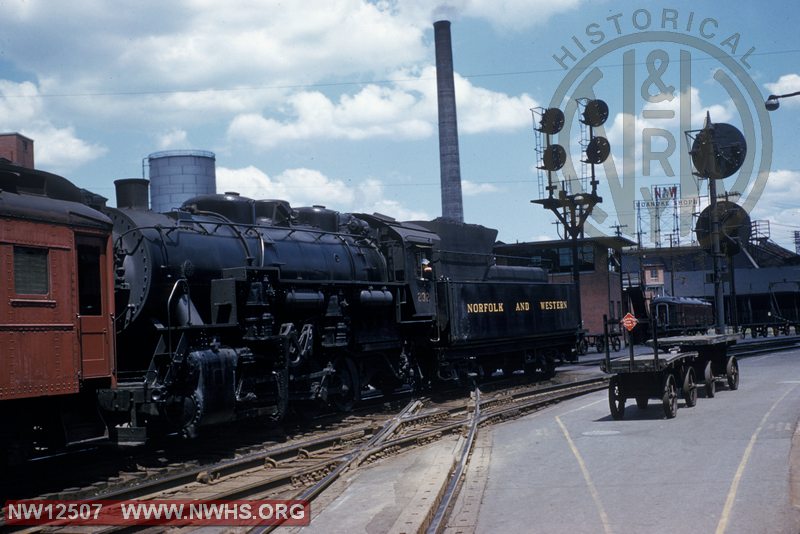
pixel 17 149
pixel 761 283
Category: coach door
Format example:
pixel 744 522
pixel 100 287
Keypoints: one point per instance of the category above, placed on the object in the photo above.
pixel 662 313
pixel 93 315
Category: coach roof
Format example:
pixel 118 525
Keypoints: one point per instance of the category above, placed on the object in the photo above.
pixel 42 196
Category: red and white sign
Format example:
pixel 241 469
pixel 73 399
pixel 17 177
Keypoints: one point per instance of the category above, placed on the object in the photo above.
pixel 629 322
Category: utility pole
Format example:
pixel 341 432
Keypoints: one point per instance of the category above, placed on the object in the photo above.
pixel 618 232
pixel 671 267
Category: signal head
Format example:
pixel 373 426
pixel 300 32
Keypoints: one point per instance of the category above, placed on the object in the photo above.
pixel 552 121
pixel 595 113
pixel 598 150
pixel 718 151
pixel 553 158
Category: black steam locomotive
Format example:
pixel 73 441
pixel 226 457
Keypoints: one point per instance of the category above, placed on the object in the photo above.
pixel 231 308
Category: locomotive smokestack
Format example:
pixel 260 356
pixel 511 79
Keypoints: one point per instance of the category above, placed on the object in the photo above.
pixel 449 164
pixel 133 193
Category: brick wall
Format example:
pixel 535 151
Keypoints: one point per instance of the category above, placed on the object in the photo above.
pixel 17 148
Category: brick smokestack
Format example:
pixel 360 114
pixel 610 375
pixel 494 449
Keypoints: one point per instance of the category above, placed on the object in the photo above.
pixel 449 164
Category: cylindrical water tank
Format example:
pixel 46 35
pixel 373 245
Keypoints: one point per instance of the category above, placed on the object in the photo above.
pixel 178 175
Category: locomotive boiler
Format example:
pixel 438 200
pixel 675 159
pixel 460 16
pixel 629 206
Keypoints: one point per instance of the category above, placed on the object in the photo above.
pixel 232 307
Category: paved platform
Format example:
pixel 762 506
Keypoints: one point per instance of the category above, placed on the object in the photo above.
pixel 388 497
pixel 726 465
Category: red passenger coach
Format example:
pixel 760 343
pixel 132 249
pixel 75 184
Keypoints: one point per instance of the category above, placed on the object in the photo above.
pixel 56 306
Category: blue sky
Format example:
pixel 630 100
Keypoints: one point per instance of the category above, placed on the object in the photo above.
pixel 334 101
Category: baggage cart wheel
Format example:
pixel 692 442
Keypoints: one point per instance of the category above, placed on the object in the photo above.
pixel 670 399
pixel 600 344
pixel 641 403
pixel 616 344
pixel 616 402
pixel 732 370
pixel 689 388
pixel 711 387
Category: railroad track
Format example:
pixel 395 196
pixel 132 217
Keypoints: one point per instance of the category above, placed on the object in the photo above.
pixel 305 468
pixel 762 346
pixel 97 468
pixel 749 347
pixel 103 468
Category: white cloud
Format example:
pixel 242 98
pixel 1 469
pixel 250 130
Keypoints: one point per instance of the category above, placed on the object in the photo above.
pixel 777 198
pixel 263 71
pixel 249 182
pixel 172 139
pixel 776 204
pixel 471 189
pixel 57 149
pixel 306 187
pixel 481 110
pixel 297 186
pixel 373 112
pixel 199 63
pixel 788 83
pixel 504 15
pixel 193 44
pixel 407 110
pixel 718 112
pixel 370 197
pixel 518 14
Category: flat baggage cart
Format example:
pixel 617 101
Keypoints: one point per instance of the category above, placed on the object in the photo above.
pixel 651 376
pixel 599 341
pixel 660 374
pixel 713 364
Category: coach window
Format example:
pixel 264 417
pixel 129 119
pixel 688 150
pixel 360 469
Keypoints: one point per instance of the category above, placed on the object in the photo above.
pixel 89 296
pixel 31 271
pixel 564 258
pixel 587 258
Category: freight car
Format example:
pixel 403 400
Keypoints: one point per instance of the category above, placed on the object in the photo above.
pixel 128 322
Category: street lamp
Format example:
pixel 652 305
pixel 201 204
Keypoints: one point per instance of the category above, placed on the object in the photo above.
pixel 772 102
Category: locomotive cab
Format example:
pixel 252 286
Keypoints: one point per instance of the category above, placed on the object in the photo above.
pixel 409 251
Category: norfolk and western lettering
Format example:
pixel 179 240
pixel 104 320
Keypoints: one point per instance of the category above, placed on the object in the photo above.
pixel 522 306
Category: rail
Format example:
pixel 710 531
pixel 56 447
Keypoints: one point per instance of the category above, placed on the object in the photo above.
pixel 318 462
